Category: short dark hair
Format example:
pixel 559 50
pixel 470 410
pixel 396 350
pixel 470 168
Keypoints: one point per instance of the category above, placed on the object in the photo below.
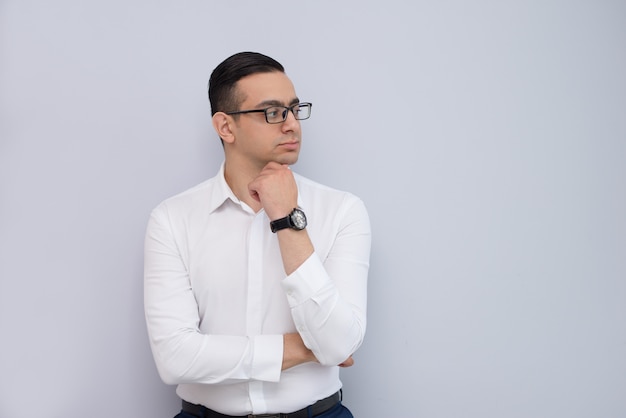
pixel 224 78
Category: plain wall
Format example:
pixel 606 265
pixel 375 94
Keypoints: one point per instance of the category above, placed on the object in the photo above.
pixel 487 139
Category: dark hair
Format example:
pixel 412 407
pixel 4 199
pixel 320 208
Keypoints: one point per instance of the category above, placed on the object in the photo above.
pixel 222 84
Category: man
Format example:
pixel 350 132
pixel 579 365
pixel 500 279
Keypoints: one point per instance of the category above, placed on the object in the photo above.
pixel 251 305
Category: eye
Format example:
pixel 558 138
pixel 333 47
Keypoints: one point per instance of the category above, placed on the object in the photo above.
pixel 272 112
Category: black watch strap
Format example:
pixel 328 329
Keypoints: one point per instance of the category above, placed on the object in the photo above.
pixel 295 220
pixel 281 223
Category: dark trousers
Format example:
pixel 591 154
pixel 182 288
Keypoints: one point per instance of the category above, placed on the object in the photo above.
pixel 338 411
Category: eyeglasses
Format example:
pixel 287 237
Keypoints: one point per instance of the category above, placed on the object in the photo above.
pixel 278 114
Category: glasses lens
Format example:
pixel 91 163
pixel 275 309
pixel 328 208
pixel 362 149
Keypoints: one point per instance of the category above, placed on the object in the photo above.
pixel 278 114
pixel 302 111
pixel 275 114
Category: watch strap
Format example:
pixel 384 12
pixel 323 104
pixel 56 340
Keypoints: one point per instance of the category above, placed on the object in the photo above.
pixel 281 223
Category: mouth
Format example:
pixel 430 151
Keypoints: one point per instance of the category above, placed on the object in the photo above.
pixel 290 145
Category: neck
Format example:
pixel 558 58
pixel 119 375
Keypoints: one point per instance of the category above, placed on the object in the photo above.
pixel 238 177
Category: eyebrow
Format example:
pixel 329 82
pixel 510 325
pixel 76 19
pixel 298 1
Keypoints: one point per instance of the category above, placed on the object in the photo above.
pixel 266 103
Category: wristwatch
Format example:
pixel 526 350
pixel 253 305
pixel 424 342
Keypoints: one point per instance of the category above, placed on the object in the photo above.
pixel 295 220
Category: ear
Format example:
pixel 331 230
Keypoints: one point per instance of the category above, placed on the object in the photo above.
pixel 222 125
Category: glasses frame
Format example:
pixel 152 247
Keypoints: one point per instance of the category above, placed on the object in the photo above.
pixel 285 112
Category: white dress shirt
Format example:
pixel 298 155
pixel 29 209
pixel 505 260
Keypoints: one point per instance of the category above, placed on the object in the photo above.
pixel 218 301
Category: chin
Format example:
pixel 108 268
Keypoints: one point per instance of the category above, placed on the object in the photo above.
pixel 287 159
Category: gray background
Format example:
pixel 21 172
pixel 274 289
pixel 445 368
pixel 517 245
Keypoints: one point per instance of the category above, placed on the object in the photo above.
pixel 487 138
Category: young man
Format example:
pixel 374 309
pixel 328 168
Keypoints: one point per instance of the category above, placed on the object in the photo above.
pixel 255 280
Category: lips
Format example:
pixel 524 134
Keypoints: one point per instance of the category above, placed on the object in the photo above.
pixel 293 145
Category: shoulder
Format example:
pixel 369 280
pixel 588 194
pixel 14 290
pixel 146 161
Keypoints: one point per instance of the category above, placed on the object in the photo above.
pixel 331 213
pixel 306 185
pixel 319 196
pixel 196 197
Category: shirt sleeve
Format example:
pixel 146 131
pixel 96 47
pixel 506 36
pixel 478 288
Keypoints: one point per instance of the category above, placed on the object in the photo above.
pixel 328 297
pixel 182 353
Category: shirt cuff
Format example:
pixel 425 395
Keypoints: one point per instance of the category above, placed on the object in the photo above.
pixel 267 359
pixel 306 281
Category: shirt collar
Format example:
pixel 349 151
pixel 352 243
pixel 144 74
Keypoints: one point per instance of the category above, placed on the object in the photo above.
pixel 222 192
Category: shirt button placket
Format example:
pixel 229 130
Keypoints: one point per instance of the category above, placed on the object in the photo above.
pixel 254 314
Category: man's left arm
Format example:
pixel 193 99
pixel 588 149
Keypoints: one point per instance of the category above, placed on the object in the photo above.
pixel 328 298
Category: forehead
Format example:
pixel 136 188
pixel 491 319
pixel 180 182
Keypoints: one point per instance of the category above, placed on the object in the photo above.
pixel 266 87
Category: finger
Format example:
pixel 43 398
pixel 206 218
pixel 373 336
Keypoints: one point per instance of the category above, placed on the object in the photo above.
pixel 255 195
pixel 349 362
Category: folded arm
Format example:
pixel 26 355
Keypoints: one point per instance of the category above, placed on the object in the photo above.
pixel 182 353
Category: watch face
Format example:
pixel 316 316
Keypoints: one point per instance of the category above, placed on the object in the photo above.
pixel 298 219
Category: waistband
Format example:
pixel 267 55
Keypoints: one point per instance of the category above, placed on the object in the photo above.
pixel 317 408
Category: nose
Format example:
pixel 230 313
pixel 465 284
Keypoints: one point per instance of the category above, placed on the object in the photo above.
pixel 290 122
